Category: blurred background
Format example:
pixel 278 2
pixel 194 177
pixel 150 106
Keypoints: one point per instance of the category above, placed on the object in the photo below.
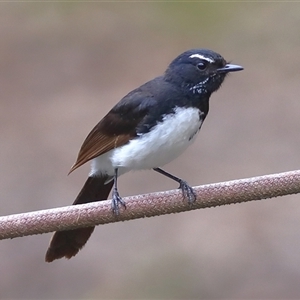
pixel 64 65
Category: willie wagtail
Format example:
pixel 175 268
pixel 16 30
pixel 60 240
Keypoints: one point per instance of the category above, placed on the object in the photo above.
pixel 148 128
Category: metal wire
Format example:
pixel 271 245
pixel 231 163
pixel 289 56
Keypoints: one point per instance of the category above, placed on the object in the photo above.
pixel 149 205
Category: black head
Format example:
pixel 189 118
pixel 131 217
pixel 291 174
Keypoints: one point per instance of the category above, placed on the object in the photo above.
pixel 199 71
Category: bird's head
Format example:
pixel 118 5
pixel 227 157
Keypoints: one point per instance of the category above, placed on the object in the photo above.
pixel 199 71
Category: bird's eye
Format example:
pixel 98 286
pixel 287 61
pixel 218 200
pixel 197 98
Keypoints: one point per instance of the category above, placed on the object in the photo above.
pixel 202 65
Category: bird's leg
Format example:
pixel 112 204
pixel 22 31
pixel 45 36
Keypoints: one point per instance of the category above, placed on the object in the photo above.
pixel 187 191
pixel 116 198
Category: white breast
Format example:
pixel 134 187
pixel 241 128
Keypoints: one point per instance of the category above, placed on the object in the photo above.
pixel 166 141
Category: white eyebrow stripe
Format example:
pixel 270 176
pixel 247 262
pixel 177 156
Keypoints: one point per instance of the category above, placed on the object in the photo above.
pixel 202 57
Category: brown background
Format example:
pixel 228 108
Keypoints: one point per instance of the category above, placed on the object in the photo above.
pixel 63 65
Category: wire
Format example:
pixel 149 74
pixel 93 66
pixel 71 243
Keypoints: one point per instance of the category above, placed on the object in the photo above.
pixel 149 205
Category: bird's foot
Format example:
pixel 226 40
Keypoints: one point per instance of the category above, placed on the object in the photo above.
pixel 116 202
pixel 187 191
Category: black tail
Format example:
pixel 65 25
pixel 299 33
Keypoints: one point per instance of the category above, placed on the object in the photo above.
pixel 68 243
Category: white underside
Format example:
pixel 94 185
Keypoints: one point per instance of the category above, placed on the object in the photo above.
pixel 166 141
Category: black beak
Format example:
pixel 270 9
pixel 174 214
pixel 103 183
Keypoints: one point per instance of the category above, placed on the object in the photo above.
pixel 230 68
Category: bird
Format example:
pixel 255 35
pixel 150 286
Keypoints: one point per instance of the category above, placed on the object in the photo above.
pixel 148 128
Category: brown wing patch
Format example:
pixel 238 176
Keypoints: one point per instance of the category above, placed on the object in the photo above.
pixel 96 144
pixel 113 131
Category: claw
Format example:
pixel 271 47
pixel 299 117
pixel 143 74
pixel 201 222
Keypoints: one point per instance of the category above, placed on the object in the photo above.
pixel 116 202
pixel 188 192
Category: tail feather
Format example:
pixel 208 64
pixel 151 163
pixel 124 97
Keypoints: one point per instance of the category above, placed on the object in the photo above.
pixel 68 243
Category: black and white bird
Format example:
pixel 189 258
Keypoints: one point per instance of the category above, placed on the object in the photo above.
pixel 147 129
